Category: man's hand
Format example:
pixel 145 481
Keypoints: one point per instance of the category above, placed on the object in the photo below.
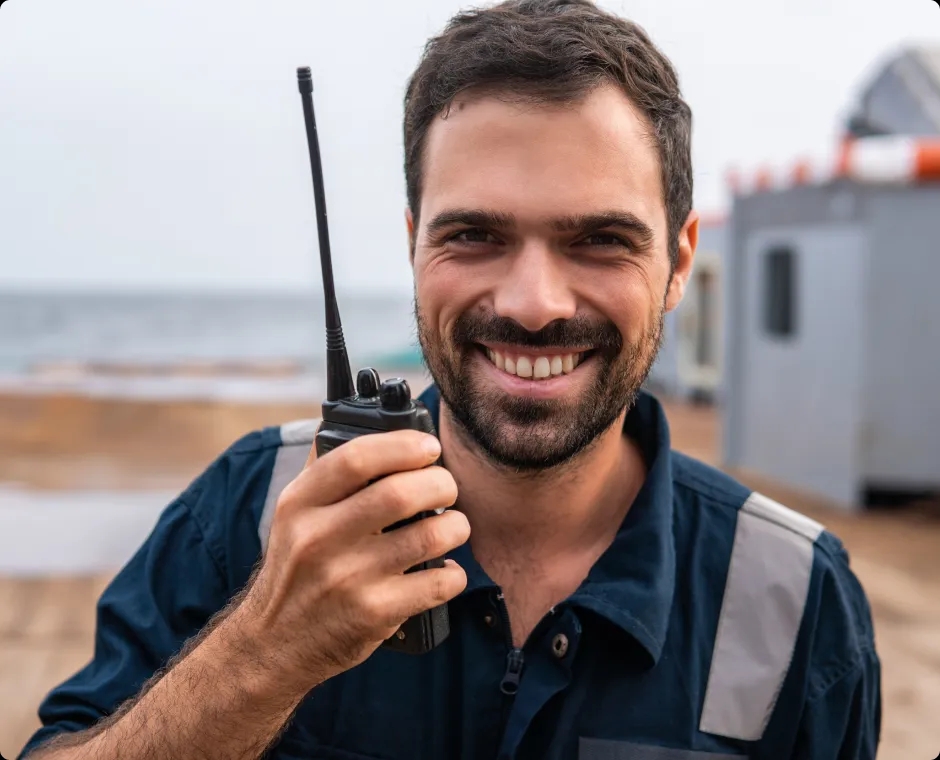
pixel 333 586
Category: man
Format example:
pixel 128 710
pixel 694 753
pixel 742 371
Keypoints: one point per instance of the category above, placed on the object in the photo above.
pixel 608 598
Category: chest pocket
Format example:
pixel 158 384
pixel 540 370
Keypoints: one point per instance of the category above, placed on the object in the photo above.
pixel 606 749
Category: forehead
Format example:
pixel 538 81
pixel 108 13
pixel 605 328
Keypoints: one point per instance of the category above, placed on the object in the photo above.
pixel 538 159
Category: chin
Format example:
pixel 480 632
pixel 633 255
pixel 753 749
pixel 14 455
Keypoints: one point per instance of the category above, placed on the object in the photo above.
pixel 525 435
pixel 528 452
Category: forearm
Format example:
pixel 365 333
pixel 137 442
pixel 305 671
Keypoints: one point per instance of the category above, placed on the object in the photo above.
pixel 223 699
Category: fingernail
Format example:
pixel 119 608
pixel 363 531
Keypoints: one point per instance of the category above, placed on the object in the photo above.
pixel 431 445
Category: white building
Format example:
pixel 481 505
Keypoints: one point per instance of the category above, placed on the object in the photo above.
pixel 832 367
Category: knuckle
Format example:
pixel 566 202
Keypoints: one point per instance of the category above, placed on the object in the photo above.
pixel 308 540
pixel 371 606
pixel 353 460
pixel 428 538
pixel 396 494
pixel 309 535
pixel 288 499
pixel 411 442
pixel 332 577
pixel 440 587
pixel 441 534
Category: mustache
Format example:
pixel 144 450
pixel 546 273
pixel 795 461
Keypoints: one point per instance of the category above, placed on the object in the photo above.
pixel 563 333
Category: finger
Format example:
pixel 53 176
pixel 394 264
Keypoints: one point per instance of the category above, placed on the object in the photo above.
pixel 347 469
pixel 313 456
pixel 423 540
pixel 399 496
pixel 404 596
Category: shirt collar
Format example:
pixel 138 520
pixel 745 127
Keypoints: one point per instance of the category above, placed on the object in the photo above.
pixel 633 583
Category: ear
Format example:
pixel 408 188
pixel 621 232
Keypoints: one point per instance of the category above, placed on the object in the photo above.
pixel 688 242
pixel 410 223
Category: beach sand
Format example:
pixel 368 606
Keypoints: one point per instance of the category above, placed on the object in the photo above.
pixel 61 443
pixel 59 439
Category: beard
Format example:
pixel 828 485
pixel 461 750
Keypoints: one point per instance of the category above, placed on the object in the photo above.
pixel 530 435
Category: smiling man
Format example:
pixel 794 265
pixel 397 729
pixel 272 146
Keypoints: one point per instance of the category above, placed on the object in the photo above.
pixel 609 598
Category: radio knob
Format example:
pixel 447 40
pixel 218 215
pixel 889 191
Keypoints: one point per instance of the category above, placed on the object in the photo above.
pixel 367 383
pixel 395 395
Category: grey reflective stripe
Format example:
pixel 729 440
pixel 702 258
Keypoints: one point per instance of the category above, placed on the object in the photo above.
pixel 609 749
pixel 299 431
pixel 765 594
pixel 296 439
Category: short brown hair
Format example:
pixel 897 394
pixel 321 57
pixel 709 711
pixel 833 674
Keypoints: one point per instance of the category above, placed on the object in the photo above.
pixel 553 51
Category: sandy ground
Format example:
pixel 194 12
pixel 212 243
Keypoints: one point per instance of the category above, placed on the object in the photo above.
pixel 63 442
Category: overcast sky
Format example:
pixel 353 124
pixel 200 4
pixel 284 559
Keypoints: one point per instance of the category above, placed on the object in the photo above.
pixel 161 144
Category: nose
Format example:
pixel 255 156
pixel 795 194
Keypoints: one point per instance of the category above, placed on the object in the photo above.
pixel 536 290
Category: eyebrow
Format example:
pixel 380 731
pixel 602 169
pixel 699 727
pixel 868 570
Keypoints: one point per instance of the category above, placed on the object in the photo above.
pixel 574 223
pixel 641 231
pixel 471 218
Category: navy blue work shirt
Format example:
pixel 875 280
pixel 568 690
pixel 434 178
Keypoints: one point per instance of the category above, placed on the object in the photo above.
pixel 718 624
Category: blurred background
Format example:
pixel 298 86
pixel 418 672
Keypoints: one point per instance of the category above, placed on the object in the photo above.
pixel 159 286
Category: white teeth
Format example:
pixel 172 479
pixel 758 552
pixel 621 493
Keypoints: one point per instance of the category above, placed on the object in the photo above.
pixel 536 367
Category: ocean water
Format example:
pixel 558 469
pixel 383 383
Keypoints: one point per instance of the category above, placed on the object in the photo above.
pixel 88 340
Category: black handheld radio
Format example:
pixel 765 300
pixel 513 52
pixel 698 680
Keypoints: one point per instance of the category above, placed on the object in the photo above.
pixel 369 407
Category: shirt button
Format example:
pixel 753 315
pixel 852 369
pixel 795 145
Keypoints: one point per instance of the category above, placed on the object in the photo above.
pixel 560 645
pixel 489 619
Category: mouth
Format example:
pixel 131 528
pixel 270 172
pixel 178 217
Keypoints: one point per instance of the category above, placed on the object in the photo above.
pixel 534 365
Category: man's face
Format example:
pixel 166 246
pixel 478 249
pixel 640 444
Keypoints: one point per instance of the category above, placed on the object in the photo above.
pixel 541 270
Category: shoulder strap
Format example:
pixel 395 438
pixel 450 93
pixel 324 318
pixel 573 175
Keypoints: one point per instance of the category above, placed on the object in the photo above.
pixel 765 596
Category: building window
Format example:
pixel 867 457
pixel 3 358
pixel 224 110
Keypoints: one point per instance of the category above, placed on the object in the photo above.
pixel 780 292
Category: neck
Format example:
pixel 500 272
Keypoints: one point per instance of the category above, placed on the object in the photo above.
pixel 565 513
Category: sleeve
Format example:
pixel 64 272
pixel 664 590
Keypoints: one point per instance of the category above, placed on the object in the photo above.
pixel 165 594
pixel 844 721
pixel 841 719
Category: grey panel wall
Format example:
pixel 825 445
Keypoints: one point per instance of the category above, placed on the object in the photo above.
pixel 857 403
pixel 795 209
pixel 801 394
pixel 901 407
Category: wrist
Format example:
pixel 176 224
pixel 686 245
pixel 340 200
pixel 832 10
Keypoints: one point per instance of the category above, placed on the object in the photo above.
pixel 246 644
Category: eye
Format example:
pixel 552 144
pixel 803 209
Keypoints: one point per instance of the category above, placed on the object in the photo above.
pixel 473 236
pixel 604 240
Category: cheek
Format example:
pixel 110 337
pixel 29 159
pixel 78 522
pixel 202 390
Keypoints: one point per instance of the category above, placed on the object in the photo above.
pixel 631 303
pixel 444 292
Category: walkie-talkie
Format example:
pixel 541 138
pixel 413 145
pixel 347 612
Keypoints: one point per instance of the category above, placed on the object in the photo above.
pixel 372 406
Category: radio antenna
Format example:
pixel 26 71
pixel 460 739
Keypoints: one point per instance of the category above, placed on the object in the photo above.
pixel 339 382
